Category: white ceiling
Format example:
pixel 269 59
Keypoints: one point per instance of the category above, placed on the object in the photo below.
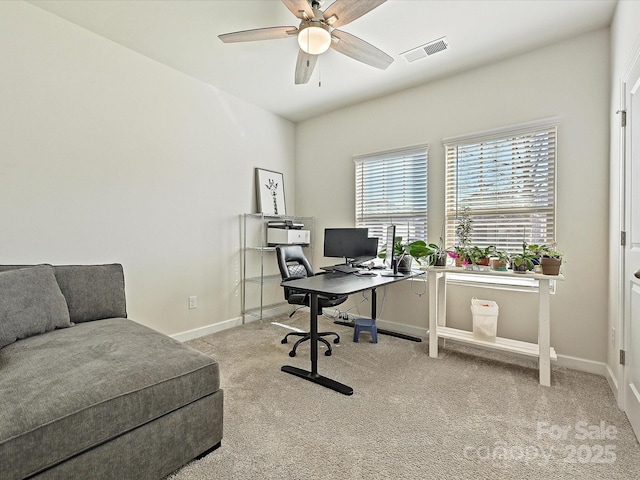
pixel 183 35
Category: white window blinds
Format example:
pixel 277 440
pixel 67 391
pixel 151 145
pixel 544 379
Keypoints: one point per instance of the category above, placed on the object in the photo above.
pixel 507 179
pixel 391 188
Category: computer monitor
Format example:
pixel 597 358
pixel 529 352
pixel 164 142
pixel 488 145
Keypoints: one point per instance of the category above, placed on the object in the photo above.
pixel 390 239
pixel 390 259
pixel 348 243
pixel 372 249
pixel 369 253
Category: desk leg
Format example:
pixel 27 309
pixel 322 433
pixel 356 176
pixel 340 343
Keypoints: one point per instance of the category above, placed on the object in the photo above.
pixel 544 334
pixel 374 297
pixel 433 313
pixel 374 301
pixel 313 375
pixel 314 333
pixel 442 299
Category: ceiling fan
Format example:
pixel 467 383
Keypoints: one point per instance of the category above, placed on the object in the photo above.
pixel 318 32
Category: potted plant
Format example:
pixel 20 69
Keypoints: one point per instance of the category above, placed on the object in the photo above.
pixel 551 260
pixel 461 256
pixel 480 256
pixel 464 227
pixel 523 262
pixel 406 252
pixel 537 251
pixel 439 254
pixel 499 260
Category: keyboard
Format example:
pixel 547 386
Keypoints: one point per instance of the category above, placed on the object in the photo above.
pixel 345 269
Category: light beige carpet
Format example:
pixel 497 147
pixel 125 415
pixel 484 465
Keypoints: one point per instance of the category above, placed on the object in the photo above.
pixel 467 415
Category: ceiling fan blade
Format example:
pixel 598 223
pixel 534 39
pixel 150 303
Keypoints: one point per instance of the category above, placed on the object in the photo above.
pixel 269 33
pixel 358 49
pixel 298 6
pixel 304 66
pixel 346 11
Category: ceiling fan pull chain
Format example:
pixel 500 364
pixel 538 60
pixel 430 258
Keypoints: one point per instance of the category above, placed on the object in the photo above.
pixel 319 73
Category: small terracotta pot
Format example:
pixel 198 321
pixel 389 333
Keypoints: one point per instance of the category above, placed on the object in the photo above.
pixel 498 265
pixel 550 266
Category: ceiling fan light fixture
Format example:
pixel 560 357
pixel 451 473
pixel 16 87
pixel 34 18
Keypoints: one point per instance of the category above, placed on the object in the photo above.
pixel 314 38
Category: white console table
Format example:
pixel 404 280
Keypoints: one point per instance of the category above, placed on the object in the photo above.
pixel 437 277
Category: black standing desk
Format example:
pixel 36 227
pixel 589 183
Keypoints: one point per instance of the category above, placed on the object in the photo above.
pixel 334 283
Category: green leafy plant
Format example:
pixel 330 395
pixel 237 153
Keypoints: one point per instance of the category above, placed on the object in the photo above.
pixel 501 255
pixel 417 249
pixel 499 260
pixel 480 255
pixel 553 252
pixel 551 260
pixel 543 250
pixel 461 253
pixel 464 227
pixel 524 261
pixel 439 253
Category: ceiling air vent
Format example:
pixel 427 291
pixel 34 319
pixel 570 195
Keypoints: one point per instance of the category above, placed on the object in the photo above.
pixel 425 50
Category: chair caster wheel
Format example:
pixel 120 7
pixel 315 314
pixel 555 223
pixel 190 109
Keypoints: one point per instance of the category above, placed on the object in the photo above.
pixel 283 341
pixel 337 340
pixel 292 353
pixel 328 353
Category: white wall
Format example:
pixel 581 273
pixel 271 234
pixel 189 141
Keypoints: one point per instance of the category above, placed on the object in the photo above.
pixel 108 156
pixel 625 42
pixel 569 80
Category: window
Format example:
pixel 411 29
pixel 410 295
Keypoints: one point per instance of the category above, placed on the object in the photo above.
pixel 391 188
pixel 507 180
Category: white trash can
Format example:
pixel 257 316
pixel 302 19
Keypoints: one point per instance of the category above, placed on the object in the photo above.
pixel 485 318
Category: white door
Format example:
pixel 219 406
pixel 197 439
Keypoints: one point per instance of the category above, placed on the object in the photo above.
pixel 632 250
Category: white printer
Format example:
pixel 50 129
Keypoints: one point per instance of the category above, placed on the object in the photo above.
pixel 287 232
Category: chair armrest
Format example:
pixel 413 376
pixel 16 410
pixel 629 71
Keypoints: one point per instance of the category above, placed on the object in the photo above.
pixel 288 291
pixel 292 291
pixel 298 277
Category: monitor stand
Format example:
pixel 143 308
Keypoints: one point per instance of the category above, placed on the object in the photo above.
pixel 395 273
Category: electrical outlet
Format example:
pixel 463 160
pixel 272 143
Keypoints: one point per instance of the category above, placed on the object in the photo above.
pixel 613 336
pixel 193 302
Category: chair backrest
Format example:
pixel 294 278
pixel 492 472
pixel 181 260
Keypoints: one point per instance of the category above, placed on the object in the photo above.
pixel 292 262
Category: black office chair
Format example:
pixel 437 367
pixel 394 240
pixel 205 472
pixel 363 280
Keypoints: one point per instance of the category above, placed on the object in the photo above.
pixel 293 264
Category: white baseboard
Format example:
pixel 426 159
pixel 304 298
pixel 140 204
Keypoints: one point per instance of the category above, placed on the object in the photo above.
pixel 207 330
pixel 574 363
pixel 583 365
pixel 402 328
pixel 613 382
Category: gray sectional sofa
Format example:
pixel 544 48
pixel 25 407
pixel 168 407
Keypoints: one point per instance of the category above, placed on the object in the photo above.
pixel 86 393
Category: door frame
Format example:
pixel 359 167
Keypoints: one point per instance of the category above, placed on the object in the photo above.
pixel 623 320
pixel 618 343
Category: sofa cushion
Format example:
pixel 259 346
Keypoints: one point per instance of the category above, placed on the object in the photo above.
pixel 69 390
pixel 31 303
pixel 93 292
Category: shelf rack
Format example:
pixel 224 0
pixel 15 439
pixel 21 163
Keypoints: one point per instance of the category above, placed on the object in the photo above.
pixel 254 243
pixel 542 350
